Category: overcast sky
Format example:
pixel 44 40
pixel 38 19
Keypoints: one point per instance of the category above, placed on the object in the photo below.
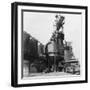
pixel 40 26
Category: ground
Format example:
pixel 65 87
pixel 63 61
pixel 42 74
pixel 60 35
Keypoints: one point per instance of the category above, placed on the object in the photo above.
pixel 49 74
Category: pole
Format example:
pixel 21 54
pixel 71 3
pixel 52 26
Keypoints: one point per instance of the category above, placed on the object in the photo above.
pixel 54 63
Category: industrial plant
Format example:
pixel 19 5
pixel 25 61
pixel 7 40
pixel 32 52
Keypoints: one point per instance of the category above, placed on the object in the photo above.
pixel 53 57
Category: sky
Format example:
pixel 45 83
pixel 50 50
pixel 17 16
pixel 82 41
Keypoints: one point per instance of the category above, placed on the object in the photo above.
pixel 40 26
